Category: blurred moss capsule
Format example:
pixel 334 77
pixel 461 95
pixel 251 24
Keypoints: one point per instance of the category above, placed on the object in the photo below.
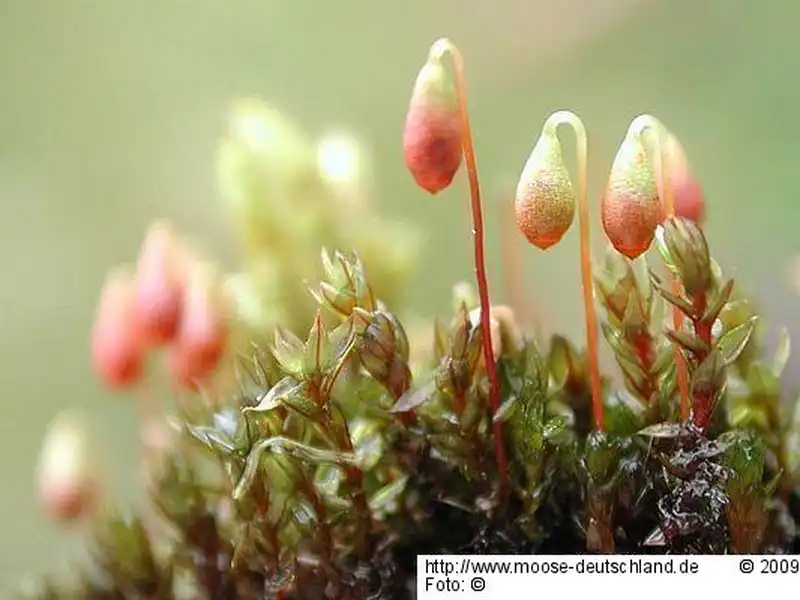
pixel 687 193
pixel 630 207
pixel 432 134
pixel 159 284
pixel 203 332
pixel 545 198
pixel 66 477
pixel 117 350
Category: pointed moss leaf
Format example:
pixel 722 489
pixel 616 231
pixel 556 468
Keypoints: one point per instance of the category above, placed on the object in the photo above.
pixel 663 249
pixel 668 384
pixel 334 268
pixel 782 353
pixel 618 344
pixel 288 351
pixel 317 357
pixel 601 455
pixel 440 339
pixel 614 295
pixel 259 369
pixel 560 361
pixel 535 377
pixel 662 430
pixel 341 302
pixel 708 384
pixel 361 320
pixel 474 348
pixel 664 359
pixel 632 372
pixel 459 335
pixel 282 471
pixel 605 286
pixel 732 344
pixel 554 427
pixel 414 398
pixel 227 421
pixel 684 305
pixel 745 453
pixel 328 478
pixel 710 374
pixel 688 341
pixel 746 416
pixel 362 289
pixel 506 410
pixel 370 449
pixel 556 408
pixel 474 412
pixel 211 437
pixel 658 308
pixel 623 420
pixel 402 346
pixel 340 341
pixel 287 447
pixel 451 445
pixel 290 393
pixel 772 484
pixel 761 381
pixel 387 498
pixel 635 318
pixel 718 302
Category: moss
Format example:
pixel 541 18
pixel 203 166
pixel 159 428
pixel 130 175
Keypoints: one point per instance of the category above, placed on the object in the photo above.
pixel 335 452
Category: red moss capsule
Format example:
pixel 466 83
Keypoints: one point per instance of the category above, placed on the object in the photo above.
pixel 432 134
pixel 686 191
pixel 159 285
pixel 545 199
pixel 116 345
pixel 630 208
pixel 203 332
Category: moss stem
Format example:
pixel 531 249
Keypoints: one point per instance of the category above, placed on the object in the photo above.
pixel 440 47
pixel 565 117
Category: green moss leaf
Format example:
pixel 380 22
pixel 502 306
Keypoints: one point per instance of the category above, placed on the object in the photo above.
pixel 732 343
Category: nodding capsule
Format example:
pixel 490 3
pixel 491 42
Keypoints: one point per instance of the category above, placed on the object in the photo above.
pixel 630 208
pixel 117 349
pixel 544 204
pixel 432 133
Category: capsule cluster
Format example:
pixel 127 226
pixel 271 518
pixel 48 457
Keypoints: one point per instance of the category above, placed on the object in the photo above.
pixel 633 203
pixel 171 300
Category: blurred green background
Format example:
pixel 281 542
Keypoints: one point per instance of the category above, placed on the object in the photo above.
pixel 110 112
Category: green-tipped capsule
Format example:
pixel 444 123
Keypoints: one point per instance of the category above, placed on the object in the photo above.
pixel 545 199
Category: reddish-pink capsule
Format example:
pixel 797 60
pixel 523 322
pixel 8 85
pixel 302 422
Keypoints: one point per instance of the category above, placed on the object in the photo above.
pixel 432 134
pixel 687 193
pixel 117 349
pixel 159 285
pixel 203 332
pixel 630 209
